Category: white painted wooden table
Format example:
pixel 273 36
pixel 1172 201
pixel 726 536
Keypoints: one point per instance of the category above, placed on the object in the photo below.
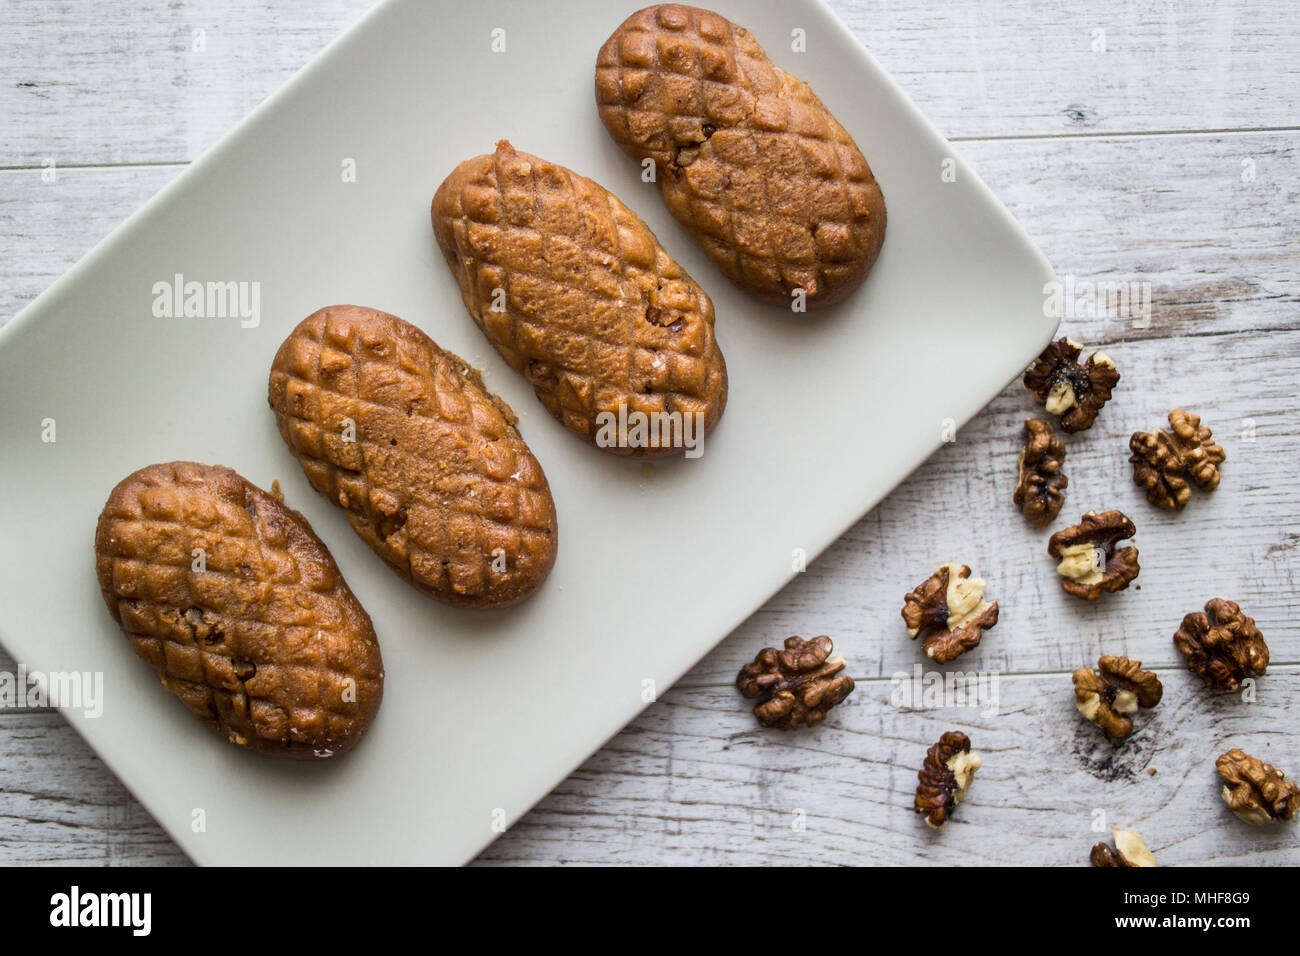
pixel 1136 140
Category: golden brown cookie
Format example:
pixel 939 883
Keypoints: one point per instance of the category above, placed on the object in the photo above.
pixel 578 296
pixel 746 156
pixel 427 463
pixel 240 609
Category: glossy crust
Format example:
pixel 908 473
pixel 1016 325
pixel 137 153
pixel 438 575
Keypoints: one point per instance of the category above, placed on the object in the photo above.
pixel 240 609
pixel 578 296
pixel 747 157
pixel 437 479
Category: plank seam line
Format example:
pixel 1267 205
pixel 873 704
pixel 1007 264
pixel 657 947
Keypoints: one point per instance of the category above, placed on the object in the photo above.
pixel 1273 668
pixel 1103 341
pixel 1009 137
pixel 146 164
pixel 1128 134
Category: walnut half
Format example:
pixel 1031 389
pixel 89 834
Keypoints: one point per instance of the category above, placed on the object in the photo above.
pixel 1090 561
pixel 945 777
pixel 1222 646
pixel 1116 689
pixel 1258 793
pixel 950 606
pixel 1074 392
pixel 1040 490
pixel 1165 461
pixel 798 685
pixel 1130 850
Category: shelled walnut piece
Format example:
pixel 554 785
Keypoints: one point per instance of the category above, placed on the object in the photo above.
pixel 1068 389
pixel 1040 489
pixel 950 605
pixel 944 778
pixel 1116 689
pixel 1222 646
pixel 1130 850
pixel 1165 463
pixel 1090 561
pixel 1256 792
pixel 798 685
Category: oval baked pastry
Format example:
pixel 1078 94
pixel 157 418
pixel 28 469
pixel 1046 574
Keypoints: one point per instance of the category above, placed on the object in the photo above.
pixel 425 461
pixel 578 296
pixel 746 156
pixel 239 607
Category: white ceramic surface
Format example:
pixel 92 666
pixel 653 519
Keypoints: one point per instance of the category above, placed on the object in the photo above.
pixel 483 712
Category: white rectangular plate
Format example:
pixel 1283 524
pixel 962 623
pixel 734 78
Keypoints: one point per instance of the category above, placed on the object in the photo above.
pixel 483 712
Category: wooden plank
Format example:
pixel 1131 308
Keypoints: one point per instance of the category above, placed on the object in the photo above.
pixel 1196 227
pixel 87 82
pixel 45 227
pixel 1218 253
pixel 696 781
pixel 1252 519
pixel 60 804
pixel 1031 68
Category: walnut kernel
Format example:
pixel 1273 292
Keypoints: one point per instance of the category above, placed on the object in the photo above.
pixel 1256 792
pixel 1130 850
pixel 1109 695
pixel 945 777
pixel 798 685
pixel 1089 559
pixel 1068 389
pixel 1040 489
pixel 1167 463
pixel 949 608
pixel 1222 646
